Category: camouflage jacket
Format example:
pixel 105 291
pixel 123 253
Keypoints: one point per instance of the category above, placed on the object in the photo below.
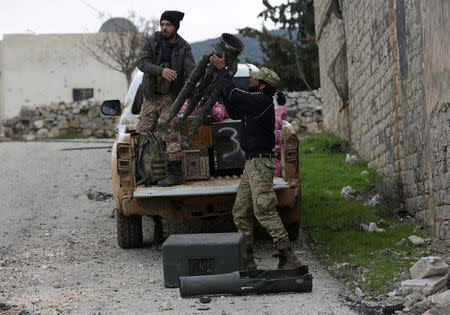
pixel 149 63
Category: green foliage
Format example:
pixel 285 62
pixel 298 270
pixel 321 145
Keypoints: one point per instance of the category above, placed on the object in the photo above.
pixel 375 261
pixel 294 53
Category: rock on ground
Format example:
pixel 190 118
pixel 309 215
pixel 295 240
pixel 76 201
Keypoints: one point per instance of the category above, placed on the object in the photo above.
pixel 428 267
pixel 423 286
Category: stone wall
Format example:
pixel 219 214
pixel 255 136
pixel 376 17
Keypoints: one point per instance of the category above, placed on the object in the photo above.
pixel 389 118
pixel 83 118
pixel 78 118
pixel 304 111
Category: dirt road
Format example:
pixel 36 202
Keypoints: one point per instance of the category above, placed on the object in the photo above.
pixel 59 255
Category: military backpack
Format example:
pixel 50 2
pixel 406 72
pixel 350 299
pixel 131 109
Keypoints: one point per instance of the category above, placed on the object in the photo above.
pixel 150 164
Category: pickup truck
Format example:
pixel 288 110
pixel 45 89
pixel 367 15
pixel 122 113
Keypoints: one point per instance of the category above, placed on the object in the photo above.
pixel 212 173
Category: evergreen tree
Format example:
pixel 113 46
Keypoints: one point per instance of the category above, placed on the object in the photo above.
pixel 293 52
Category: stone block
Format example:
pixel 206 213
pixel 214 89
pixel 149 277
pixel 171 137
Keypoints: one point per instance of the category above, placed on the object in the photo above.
pixel 29 137
pixel 428 267
pixel 312 127
pixel 93 112
pixel 416 241
pixel 54 132
pixel 38 124
pixel 425 287
pixel 443 212
pixel 42 133
pixel 63 124
pixel 86 132
pixel 440 299
pixel 74 123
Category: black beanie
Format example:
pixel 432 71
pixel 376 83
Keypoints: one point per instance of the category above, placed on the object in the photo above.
pixel 173 17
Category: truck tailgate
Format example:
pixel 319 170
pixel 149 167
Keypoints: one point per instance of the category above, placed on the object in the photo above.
pixel 213 186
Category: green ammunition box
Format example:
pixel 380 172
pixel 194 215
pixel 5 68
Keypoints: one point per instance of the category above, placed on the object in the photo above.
pixel 201 254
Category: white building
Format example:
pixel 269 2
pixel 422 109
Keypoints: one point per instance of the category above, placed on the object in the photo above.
pixel 52 68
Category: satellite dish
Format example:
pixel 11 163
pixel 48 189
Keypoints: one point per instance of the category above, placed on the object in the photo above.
pixel 117 25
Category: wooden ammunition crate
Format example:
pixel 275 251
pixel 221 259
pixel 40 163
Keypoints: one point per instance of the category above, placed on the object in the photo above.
pixel 203 139
pixel 196 164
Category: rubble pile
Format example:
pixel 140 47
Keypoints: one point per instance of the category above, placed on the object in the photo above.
pixel 304 111
pixel 427 290
pixel 81 118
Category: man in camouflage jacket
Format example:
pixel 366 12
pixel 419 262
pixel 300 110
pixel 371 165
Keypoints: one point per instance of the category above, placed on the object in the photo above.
pixel 166 61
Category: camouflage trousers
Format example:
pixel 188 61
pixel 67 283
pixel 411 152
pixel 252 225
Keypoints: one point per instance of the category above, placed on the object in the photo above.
pixel 255 196
pixel 158 109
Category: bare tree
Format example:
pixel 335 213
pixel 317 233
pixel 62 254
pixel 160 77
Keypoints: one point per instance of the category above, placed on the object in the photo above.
pixel 119 45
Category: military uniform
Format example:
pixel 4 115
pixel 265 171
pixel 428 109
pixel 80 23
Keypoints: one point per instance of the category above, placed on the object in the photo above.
pixel 160 93
pixel 255 195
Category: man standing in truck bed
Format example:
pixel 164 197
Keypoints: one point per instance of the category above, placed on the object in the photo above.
pixel 166 60
pixel 255 194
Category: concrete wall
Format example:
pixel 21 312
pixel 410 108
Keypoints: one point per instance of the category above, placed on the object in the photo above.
pixel 398 80
pixel 41 69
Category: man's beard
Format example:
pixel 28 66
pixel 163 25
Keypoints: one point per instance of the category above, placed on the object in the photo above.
pixel 169 36
pixel 253 88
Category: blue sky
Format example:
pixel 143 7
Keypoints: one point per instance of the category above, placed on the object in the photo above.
pixel 203 19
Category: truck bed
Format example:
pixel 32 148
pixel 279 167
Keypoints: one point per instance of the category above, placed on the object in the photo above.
pixel 222 185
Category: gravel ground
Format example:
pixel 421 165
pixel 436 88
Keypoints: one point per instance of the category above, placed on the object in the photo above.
pixel 59 255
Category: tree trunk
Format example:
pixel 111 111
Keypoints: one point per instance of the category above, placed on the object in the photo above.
pixel 128 76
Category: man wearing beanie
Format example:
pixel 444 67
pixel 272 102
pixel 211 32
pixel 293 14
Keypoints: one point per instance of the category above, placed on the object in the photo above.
pixel 166 61
pixel 255 195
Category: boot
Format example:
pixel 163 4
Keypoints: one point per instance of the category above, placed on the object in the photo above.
pixel 288 260
pixel 249 261
pixel 174 176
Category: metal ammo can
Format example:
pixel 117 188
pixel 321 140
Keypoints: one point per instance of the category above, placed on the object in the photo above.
pixel 201 254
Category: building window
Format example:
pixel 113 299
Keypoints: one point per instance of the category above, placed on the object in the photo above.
pixel 82 94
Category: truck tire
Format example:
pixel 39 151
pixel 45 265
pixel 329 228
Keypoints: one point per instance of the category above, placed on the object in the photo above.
pixel 292 230
pixel 129 231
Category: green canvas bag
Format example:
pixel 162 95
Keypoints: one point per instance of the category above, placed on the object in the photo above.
pixel 150 164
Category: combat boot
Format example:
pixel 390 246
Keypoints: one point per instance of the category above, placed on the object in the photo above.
pixel 249 261
pixel 174 176
pixel 288 260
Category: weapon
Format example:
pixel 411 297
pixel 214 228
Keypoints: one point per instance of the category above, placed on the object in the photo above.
pixel 207 91
pixel 250 281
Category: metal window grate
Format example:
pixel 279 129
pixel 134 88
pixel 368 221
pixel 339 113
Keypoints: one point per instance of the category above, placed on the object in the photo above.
pixel 82 94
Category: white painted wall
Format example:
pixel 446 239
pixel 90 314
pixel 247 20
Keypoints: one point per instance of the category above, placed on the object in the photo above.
pixel 41 69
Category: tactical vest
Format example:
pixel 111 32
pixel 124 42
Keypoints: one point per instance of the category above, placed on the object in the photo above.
pixel 162 85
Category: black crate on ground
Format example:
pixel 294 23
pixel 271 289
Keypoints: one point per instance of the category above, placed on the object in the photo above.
pixel 201 254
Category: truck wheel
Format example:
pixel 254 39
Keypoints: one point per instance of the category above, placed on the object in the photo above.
pixel 292 230
pixel 129 231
